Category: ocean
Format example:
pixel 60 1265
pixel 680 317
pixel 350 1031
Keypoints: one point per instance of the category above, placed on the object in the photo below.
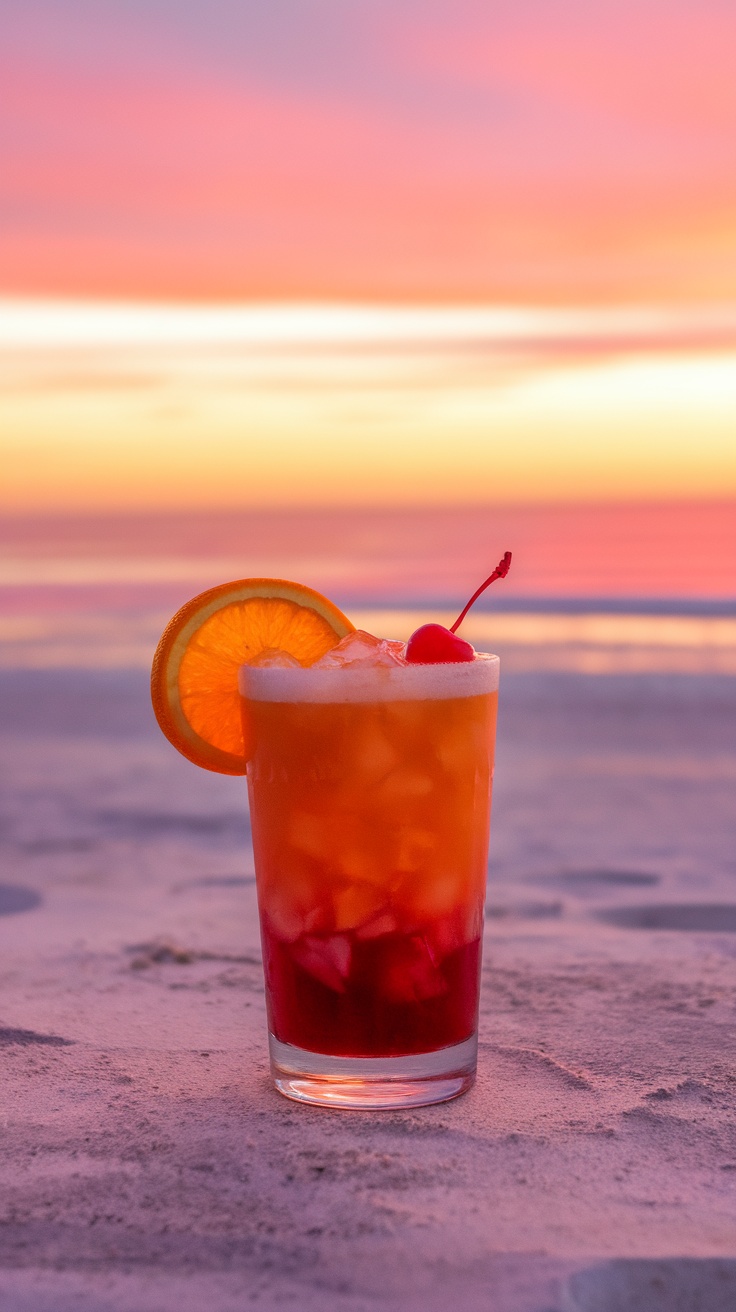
pixel 593 589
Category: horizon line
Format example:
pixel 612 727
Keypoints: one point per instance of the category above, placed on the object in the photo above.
pixel 186 510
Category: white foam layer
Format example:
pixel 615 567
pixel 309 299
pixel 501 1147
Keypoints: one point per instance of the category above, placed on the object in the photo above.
pixel 371 683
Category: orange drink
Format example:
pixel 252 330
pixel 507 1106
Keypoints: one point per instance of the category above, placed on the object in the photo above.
pixel 369 766
pixel 370 790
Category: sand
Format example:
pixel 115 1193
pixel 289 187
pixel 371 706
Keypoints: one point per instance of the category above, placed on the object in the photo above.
pixel 147 1164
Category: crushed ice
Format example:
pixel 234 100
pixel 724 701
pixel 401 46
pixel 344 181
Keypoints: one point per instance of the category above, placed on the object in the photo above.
pixel 360 648
pixel 272 658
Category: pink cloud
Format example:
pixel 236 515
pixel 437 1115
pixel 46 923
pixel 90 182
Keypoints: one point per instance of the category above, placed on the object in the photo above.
pixel 563 151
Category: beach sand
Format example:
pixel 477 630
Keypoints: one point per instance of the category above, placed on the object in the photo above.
pixel 147 1164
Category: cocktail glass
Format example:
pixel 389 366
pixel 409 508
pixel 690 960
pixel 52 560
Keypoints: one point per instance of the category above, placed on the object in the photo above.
pixel 370 792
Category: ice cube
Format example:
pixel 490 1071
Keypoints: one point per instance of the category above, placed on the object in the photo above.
pixel 448 933
pixel 385 923
pixel 356 863
pixel 356 905
pixel 431 892
pixel 327 959
pixel 319 919
pixel 409 973
pixel 395 649
pixel 294 899
pixel 414 849
pixel 360 648
pixel 272 658
pixel 285 920
pixel 373 754
pixel 405 785
pixel 310 834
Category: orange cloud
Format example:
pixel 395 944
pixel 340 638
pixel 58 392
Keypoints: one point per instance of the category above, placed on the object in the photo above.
pixel 150 405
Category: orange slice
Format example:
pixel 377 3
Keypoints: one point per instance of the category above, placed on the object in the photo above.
pixel 194 680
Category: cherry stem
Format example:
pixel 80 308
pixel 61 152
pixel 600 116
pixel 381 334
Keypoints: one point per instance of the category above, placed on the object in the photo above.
pixel 499 572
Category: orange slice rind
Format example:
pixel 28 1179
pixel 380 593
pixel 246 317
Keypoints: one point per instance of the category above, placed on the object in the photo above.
pixel 194 679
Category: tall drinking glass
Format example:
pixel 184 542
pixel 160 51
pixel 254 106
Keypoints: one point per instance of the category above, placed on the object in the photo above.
pixel 370 792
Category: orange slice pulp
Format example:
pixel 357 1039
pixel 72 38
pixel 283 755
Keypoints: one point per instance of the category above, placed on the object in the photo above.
pixel 194 680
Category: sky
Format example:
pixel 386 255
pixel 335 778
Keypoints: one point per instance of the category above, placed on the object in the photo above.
pixel 147 406
pixel 366 253
pixel 389 149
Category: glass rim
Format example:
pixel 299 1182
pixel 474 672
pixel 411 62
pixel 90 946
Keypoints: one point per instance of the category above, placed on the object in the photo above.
pixel 371 683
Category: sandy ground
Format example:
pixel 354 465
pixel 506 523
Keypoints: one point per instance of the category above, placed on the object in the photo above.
pixel 148 1166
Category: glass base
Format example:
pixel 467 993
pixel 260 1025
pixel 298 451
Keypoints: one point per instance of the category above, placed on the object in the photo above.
pixel 373 1082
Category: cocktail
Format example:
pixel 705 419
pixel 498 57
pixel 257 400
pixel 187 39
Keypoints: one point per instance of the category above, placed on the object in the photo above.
pixel 370 785
pixel 369 775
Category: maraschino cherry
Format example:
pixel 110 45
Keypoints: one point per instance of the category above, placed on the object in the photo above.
pixel 433 644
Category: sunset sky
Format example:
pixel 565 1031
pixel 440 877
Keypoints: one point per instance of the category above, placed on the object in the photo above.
pixel 549 149
pixel 273 253
pixel 145 406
